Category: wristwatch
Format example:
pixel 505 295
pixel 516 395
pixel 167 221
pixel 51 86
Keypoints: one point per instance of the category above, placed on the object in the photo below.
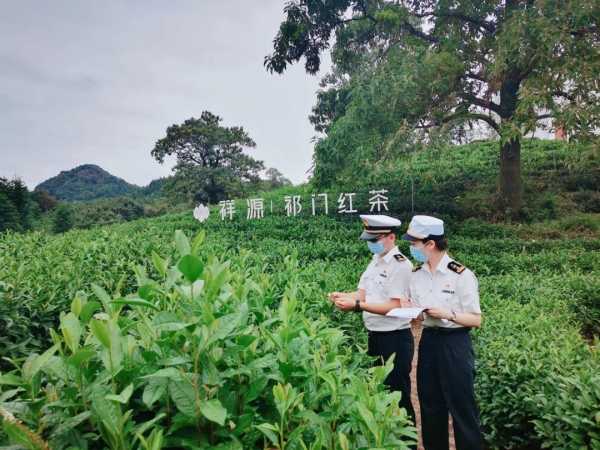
pixel 357 305
pixel 453 318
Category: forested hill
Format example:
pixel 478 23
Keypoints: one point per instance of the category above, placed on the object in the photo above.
pixel 87 182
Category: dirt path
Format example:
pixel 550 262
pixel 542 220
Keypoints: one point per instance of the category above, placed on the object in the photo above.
pixel 417 329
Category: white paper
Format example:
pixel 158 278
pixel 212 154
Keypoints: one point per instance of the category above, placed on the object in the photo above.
pixel 405 313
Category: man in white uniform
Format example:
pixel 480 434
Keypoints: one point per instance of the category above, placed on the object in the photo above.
pixel 449 293
pixel 381 286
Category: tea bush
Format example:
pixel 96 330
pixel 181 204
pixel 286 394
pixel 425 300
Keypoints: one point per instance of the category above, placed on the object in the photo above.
pixel 525 354
pixel 201 356
pixel 536 382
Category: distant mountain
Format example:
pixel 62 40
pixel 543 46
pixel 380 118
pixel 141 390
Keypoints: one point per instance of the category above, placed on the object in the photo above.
pixel 89 182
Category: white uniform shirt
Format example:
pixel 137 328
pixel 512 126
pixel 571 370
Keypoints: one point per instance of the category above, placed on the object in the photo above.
pixel 447 289
pixel 386 277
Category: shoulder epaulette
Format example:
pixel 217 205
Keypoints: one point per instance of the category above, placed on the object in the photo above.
pixel 399 257
pixel 417 268
pixel 456 267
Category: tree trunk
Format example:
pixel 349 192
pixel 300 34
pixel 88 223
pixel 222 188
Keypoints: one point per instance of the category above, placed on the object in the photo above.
pixel 511 187
pixel 211 190
pixel 510 183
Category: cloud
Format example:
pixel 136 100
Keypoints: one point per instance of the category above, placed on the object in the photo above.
pixel 99 82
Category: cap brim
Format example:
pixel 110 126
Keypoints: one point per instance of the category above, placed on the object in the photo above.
pixel 408 237
pixel 366 236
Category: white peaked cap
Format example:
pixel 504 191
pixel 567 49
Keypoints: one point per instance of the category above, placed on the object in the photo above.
pixel 422 227
pixel 376 225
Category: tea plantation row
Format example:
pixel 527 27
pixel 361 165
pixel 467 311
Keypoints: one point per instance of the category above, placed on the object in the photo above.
pixel 228 341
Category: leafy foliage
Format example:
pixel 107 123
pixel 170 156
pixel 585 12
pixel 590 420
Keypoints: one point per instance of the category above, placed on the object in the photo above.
pixel 128 306
pixel 63 218
pixel 204 354
pixel 18 209
pixel 210 161
pixel 263 299
pixel 443 67
pixel 460 180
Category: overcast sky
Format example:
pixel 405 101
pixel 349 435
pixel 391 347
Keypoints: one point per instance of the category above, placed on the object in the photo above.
pixel 99 82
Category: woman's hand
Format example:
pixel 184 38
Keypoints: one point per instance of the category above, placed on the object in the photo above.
pixel 345 304
pixel 406 303
pixel 335 296
pixel 439 313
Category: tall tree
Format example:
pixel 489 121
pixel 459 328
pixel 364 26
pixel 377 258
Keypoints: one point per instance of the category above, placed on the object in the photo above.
pixel 63 218
pixel 276 179
pixel 210 157
pixel 9 216
pixel 507 64
pixel 45 201
pixel 15 191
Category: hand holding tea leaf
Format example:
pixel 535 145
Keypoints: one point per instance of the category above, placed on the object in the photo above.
pixel 335 296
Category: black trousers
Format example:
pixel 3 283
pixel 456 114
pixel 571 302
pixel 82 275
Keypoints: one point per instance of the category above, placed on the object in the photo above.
pixel 445 376
pixel 400 342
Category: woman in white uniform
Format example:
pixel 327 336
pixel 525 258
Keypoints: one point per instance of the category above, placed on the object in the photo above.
pixel 449 293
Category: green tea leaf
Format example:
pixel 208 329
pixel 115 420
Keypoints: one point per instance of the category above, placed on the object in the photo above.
pixel 193 291
pixel 160 264
pixel 10 379
pixel 143 427
pixel 168 372
pixel 83 355
pixel 182 243
pixel 270 431
pixel 100 331
pixel 154 390
pixel 168 321
pixel 56 367
pixel 343 441
pixel 103 297
pixel 78 303
pixel 214 411
pixel 257 387
pixel 108 412
pixel 38 362
pixel 88 310
pixel 71 423
pixel 183 395
pixel 71 331
pixel 225 325
pixel 147 291
pixel 197 242
pixel 7 395
pixel 123 397
pixel 191 267
pixel 368 419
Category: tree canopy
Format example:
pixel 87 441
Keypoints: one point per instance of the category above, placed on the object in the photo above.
pixel 505 65
pixel 211 163
pixel 17 207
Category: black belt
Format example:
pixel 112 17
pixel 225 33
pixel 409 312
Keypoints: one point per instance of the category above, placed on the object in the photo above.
pixel 442 330
pixel 403 330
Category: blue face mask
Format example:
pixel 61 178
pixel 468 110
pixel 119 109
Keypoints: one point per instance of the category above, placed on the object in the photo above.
pixel 418 254
pixel 376 247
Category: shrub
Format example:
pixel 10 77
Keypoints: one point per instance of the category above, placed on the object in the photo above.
pixel 196 359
